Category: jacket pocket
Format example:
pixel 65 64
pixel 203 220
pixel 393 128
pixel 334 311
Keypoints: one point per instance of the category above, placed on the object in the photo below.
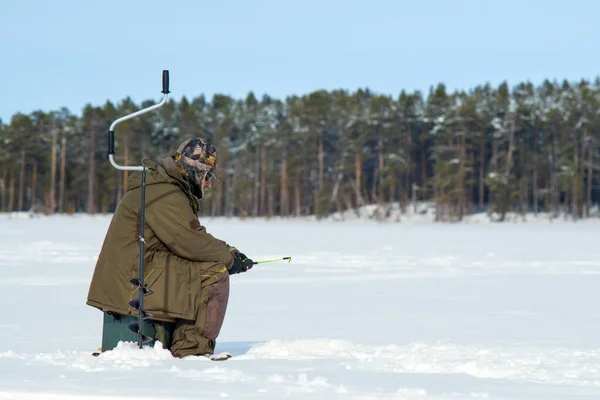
pixel 169 284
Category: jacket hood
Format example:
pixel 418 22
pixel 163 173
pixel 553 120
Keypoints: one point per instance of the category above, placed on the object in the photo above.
pixel 164 171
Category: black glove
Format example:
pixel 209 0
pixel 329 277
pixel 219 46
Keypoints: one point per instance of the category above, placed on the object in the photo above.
pixel 241 263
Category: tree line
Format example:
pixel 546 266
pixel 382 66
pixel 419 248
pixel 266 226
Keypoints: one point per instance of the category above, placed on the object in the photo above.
pixel 527 148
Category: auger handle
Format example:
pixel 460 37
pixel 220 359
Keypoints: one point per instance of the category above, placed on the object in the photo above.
pixel 165 82
pixel 111 130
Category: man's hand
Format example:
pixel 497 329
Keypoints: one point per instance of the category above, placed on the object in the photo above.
pixel 241 263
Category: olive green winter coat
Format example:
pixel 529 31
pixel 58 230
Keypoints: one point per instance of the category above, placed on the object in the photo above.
pixel 179 253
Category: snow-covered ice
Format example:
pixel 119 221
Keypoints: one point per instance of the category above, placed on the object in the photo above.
pixel 365 310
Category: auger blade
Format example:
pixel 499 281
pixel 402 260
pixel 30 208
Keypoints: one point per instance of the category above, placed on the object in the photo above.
pixel 135 303
pixel 135 327
pixel 145 290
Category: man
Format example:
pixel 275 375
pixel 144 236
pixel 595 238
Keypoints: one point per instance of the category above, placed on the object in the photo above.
pixel 186 268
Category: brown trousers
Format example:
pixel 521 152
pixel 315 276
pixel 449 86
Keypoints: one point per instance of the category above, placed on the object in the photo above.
pixel 199 337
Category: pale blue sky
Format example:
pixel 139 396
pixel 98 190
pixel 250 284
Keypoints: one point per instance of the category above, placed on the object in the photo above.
pixel 57 53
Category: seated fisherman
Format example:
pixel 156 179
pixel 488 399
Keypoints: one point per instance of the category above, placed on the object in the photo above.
pixel 186 268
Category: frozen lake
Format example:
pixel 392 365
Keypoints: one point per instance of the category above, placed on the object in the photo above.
pixel 363 311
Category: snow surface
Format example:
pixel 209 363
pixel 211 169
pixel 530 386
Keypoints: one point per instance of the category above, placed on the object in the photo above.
pixel 365 310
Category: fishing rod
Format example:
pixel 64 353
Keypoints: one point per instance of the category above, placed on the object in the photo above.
pixel 288 259
pixel 139 282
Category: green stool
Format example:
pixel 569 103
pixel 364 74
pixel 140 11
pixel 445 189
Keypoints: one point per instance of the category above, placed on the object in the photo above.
pixel 115 328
